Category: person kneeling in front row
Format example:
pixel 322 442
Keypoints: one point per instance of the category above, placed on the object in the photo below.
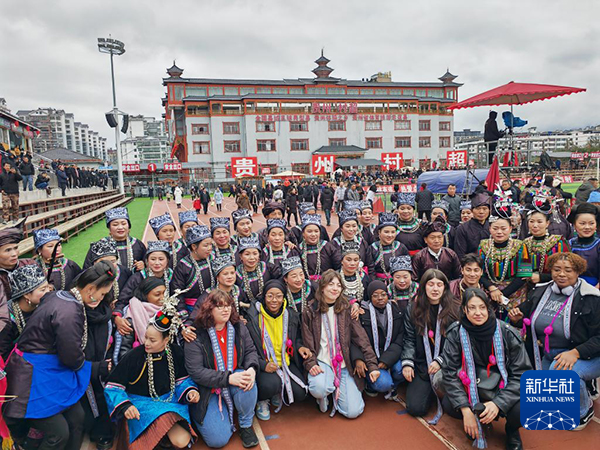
pixel 484 360
pixel 222 361
pixel 328 332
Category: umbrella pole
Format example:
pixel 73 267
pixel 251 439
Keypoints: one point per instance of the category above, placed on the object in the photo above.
pixel 512 130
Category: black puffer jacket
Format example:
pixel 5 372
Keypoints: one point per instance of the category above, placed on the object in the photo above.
pixel 517 362
pixel 424 199
pixel 327 198
pixel 200 364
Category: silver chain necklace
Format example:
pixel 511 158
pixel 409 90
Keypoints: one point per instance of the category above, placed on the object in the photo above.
pixel 151 386
pixel 77 295
pixel 246 281
pixel 353 287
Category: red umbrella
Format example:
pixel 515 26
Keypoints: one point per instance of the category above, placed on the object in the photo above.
pixel 516 94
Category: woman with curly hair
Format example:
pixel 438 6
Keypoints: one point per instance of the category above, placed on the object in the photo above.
pixel 223 362
pixel 564 314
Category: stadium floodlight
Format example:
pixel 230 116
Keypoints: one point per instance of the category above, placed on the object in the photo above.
pixel 114 47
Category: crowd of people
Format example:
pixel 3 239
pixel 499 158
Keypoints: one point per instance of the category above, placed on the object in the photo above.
pixel 165 343
pixel 18 172
pixel 71 176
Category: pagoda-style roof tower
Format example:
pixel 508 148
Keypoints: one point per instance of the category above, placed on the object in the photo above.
pixel 447 78
pixel 322 71
pixel 174 71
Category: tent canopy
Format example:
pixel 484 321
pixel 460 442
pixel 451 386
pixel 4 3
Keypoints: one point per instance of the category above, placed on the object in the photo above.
pixel 438 181
pixel 357 162
pixel 516 94
pixel 289 174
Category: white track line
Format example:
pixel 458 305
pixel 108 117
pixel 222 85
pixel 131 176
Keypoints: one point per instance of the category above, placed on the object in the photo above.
pixel 173 217
pixel 432 430
pixel 260 435
pixel 255 218
pixel 148 223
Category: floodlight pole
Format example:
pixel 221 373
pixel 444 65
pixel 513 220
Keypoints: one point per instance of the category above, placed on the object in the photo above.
pixel 114 47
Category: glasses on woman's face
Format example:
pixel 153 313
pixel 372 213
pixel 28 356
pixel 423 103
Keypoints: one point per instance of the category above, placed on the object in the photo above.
pixel 274 297
pixel 381 296
pixel 223 307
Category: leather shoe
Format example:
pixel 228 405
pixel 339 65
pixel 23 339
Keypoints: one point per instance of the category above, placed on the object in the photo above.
pixel 513 440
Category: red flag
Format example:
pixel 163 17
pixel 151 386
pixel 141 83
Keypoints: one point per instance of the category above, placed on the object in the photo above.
pixel 493 177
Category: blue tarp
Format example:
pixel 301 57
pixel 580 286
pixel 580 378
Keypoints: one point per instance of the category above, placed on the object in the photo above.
pixel 438 181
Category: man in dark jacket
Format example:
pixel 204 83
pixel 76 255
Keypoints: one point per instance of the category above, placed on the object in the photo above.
pixel 307 194
pixel 62 179
pixel 9 185
pixel 424 199
pixel 491 135
pixel 315 191
pixel 204 199
pixel 454 202
pixel 9 261
pixel 327 201
pixel 584 191
pixel 27 172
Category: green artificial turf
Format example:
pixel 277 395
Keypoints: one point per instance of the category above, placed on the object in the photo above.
pixel 77 247
pixel 571 187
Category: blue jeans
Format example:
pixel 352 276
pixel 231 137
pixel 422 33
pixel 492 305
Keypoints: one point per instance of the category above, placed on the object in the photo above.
pixel 328 216
pixel 350 403
pixel 388 379
pixel 587 369
pixel 216 428
pixel 42 186
pixel 27 182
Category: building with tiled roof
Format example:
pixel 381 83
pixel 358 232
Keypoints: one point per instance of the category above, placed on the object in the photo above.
pixel 284 122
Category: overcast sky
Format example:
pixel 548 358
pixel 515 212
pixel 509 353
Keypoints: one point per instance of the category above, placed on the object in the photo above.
pixel 50 56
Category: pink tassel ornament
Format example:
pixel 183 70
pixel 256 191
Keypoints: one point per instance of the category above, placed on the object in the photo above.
pixel 547 331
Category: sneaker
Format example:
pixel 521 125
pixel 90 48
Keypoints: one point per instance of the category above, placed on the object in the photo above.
pixel 370 393
pixel 248 437
pixel 593 389
pixel 262 410
pixel 323 404
pixel 393 396
pixel 586 419
pixel 276 401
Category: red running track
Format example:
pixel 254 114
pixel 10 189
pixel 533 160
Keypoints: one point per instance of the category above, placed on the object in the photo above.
pixel 384 424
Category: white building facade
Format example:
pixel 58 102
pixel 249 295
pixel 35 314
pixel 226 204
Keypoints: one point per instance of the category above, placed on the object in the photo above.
pixel 58 129
pixel 146 142
pixel 283 122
